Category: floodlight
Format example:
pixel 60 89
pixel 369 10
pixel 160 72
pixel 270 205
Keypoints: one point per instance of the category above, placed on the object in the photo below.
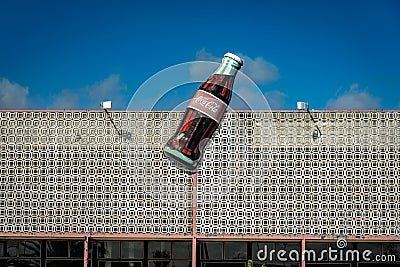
pixel 106 105
pixel 302 105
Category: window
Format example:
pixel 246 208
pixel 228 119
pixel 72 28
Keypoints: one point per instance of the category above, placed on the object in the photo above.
pixel 64 263
pixel 120 249
pixel 223 250
pixel 120 264
pixel 62 253
pixel 372 246
pixel 270 250
pixel 329 265
pixel 131 250
pixel 223 264
pixel 120 253
pixel 20 262
pixel 57 249
pixel 235 250
pixel 391 249
pixel 20 253
pixel 181 250
pixel 109 250
pixel 211 250
pixel 167 254
pixel 159 250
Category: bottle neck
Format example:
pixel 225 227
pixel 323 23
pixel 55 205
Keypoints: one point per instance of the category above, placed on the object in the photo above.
pixel 228 67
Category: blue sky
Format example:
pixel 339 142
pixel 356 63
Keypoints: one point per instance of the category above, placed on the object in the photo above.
pixel 341 54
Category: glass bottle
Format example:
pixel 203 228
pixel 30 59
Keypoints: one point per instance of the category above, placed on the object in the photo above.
pixel 203 115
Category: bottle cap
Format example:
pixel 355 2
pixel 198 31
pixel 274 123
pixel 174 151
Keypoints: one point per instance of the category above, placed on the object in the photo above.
pixel 234 57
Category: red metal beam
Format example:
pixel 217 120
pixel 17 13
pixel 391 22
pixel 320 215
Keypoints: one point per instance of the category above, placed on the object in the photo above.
pixel 298 237
pixel 194 225
pixel 200 237
pixel 303 248
pixel 177 111
pixel 93 236
pixel 86 252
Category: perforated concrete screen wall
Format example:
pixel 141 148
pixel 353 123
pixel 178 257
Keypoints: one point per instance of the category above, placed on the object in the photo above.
pixel 263 174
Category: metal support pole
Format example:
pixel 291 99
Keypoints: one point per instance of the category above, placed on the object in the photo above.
pixel 112 121
pixel 315 123
pixel 86 252
pixel 194 211
pixel 302 249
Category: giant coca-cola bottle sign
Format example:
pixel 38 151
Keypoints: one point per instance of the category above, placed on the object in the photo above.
pixel 203 115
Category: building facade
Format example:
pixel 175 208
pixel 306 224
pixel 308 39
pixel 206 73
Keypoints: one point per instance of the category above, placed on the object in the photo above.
pixel 271 190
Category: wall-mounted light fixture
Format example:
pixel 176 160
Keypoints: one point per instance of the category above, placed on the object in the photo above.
pixel 304 106
pixel 108 105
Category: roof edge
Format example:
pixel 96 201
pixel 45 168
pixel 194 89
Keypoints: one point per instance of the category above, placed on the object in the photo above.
pixel 273 111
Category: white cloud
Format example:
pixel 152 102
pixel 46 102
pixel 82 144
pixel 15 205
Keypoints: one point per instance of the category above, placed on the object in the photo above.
pixel 276 99
pixel 89 97
pixel 354 99
pixel 66 99
pixel 245 99
pixel 200 71
pixel 203 55
pixel 247 95
pixel 12 95
pixel 110 88
pixel 258 69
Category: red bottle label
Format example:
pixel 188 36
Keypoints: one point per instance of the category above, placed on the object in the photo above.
pixel 209 105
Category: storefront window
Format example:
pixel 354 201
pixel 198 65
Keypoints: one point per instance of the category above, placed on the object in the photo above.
pixel 262 248
pixel 235 250
pixel 119 264
pixel 57 249
pixel 120 249
pixel 376 264
pixel 77 249
pixel 63 253
pixel 109 249
pixel 328 265
pixel 391 249
pixel 177 253
pixel 276 254
pixel 315 252
pixel 132 250
pixel 375 248
pixel 181 250
pixel 19 262
pixel 10 248
pixel 64 263
pixel 173 251
pixel 29 249
pixel 223 264
pixel 211 250
pixel 159 250
pixel 20 253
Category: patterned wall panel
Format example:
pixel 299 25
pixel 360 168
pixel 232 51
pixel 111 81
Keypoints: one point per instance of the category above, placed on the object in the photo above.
pixel 71 172
pixel 263 173
pixel 346 182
